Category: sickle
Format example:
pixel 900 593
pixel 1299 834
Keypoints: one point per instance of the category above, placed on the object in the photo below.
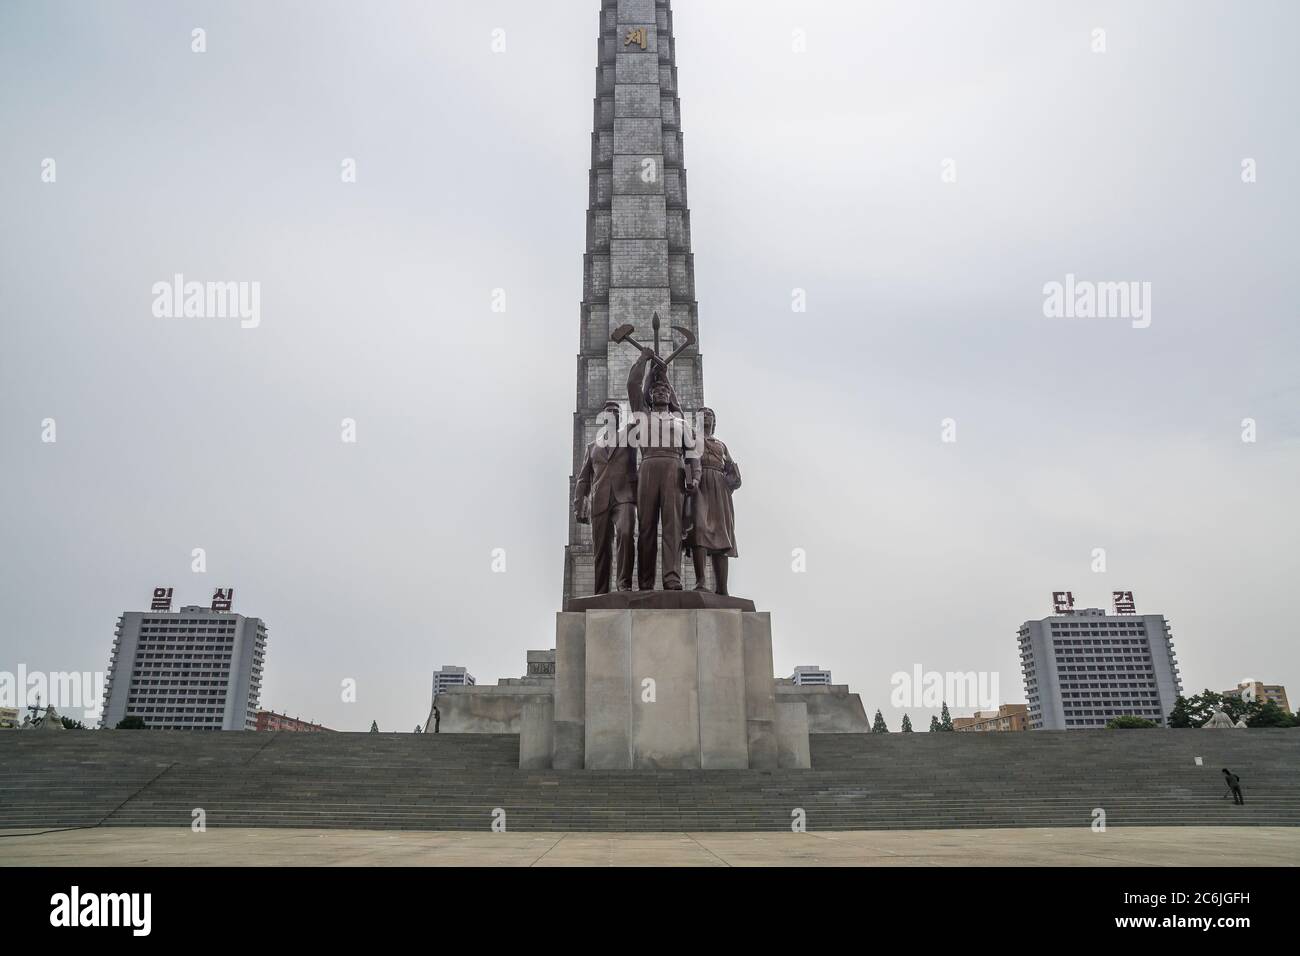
pixel 690 340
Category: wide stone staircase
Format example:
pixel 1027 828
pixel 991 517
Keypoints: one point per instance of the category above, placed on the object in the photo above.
pixel 456 782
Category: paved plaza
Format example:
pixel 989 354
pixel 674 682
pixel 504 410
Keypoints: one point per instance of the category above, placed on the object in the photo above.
pixel 1047 846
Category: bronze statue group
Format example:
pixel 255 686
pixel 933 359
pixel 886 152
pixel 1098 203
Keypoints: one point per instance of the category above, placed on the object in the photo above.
pixel 680 489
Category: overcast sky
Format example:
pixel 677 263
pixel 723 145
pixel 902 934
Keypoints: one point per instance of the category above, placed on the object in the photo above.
pixel 819 171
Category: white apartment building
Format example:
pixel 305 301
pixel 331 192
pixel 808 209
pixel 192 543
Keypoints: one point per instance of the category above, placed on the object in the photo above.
pixel 1081 668
pixel 451 676
pixel 192 669
pixel 811 676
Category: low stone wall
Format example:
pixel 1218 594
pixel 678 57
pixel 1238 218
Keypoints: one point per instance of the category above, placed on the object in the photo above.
pixel 831 709
pixel 487 710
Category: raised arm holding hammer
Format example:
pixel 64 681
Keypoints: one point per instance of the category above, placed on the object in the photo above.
pixel 667 472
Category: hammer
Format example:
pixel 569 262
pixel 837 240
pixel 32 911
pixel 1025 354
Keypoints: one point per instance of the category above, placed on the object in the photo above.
pixel 624 334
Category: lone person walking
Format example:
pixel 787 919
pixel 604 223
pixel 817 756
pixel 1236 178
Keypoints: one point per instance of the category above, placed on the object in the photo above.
pixel 1234 785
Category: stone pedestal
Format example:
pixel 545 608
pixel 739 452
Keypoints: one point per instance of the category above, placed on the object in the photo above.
pixel 570 692
pixel 683 689
pixel 537 734
pixel 792 750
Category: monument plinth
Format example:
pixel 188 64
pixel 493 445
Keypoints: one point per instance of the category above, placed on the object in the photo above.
pixel 691 600
pixel 666 689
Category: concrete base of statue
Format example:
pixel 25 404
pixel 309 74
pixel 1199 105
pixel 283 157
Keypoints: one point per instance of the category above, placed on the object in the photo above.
pixel 666 688
pixel 655 680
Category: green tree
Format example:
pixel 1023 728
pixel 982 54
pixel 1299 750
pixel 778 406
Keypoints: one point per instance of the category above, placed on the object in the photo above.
pixel 945 719
pixel 934 724
pixel 131 723
pixel 1181 715
pixel 1202 707
pixel 1128 722
pixel 1269 714
pixel 878 725
pixel 70 724
pixel 1239 709
pixel 907 724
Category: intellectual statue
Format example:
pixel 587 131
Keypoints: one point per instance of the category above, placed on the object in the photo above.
pixel 713 521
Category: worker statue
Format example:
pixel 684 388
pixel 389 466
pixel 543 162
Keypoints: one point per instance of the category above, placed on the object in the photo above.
pixel 670 469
